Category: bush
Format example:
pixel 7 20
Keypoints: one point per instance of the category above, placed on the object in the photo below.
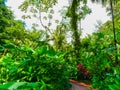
pixel 99 58
pixel 43 63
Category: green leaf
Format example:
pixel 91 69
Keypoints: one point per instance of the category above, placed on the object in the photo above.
pixel 6 86
pixel 16 85
pixel 31 85
pixel 1 48
pixel 43 50
pixel 10 46
pixel 51 52
pixel 43 87
pixel 11 85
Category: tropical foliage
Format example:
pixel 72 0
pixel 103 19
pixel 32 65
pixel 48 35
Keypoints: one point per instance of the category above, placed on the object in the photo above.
pixel 43 59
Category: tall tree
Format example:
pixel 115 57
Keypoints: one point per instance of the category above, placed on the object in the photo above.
pixel 78 11
pixel 111 2
pixel 6 18
pixel 74 26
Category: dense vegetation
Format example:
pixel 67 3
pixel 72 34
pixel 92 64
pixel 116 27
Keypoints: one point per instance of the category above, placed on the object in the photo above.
pixel 29 61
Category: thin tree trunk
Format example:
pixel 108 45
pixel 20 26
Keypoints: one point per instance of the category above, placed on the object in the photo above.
pixel 115 40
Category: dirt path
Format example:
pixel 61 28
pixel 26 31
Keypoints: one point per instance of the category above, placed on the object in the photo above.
pixel 77 87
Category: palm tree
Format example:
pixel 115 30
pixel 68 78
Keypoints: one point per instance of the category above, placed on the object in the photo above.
pixel 111 2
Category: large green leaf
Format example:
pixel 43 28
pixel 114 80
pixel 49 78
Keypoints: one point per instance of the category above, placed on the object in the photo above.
pixel 22 85
pixel 16 85
pixel 11 85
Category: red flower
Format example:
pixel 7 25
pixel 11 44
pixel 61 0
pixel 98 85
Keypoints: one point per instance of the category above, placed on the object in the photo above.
pixel 80 67
pixel 83 70
pixel 85 73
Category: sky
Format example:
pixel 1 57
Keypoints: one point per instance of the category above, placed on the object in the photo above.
pixel 88 24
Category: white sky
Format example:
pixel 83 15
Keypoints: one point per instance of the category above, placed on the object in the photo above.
pixel 88 25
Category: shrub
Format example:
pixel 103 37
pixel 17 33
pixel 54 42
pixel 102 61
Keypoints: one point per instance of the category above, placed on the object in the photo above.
pixel 34 65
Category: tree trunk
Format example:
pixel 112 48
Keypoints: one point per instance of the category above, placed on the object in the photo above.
pixel 74 26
